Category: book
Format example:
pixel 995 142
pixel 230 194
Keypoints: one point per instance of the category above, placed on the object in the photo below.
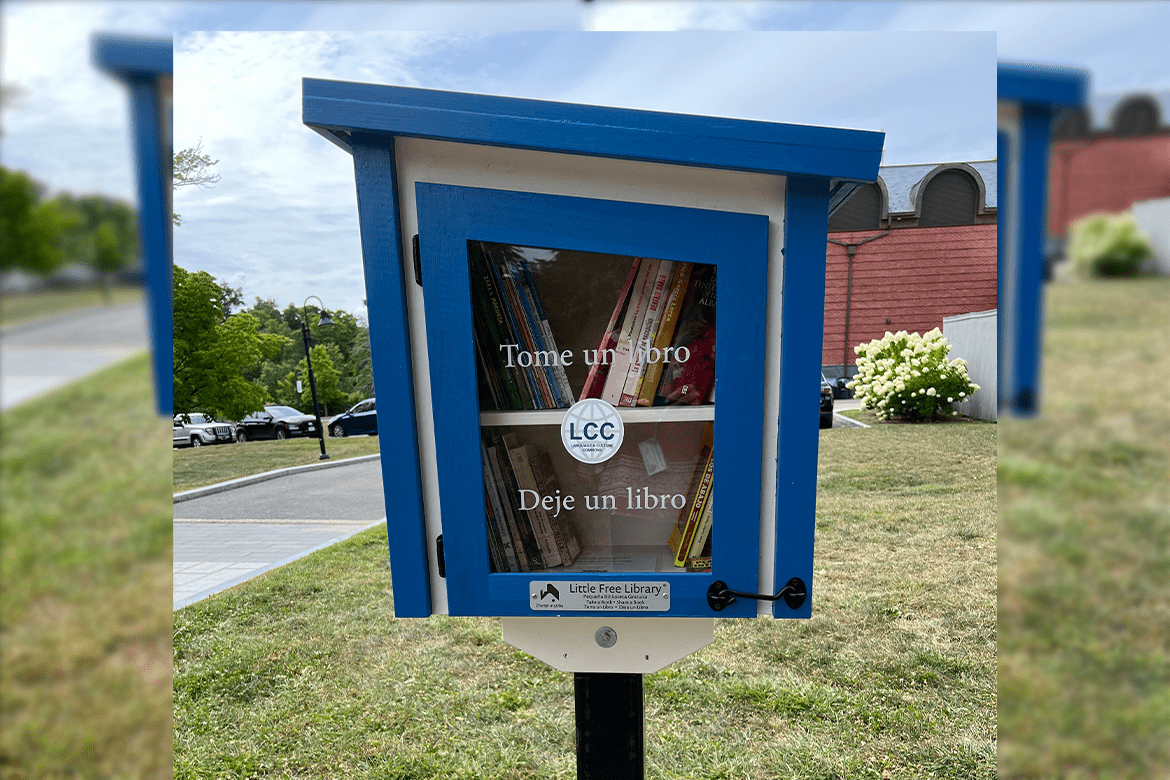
pixel 689 377
pixel 550 343
pixel 526 480
pixel 603 356
pixel 702 561
pixel 509 515
pixel 635 313
pixel 496 560
pixel 689 516
pixel 519 334
pixel 498 518
pixel 662 339
pixel 645 335
pixel 492 393
pixel 702 536
pixel 510 497
pixel 539 338
pixel 700 564
pixel 495 325
pixel 564 531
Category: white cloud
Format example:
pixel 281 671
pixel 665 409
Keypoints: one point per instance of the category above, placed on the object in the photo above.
pixel 71 129
pixel 664 15
pixel 282 222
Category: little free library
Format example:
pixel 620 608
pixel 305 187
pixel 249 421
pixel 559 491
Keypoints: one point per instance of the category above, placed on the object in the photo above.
pixel 579 317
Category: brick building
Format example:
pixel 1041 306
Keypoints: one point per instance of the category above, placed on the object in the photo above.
pixel 905 252
pixel 1108 157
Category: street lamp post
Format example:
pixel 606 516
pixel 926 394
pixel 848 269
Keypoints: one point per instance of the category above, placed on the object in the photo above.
pixel 325 320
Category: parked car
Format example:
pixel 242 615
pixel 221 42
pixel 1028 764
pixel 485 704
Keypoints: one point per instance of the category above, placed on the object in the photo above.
pixel 359 420
pixel 826 403
pixel 200 429
pixel 276 422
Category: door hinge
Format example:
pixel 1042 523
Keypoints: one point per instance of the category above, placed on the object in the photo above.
pixel 439 552
pixel 417 261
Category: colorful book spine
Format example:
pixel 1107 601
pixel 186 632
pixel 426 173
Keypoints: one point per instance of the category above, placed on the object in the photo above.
pixel 519 334
pixel 550 343
pixel 498 517
pixel 497 333
pixel 542 360
pixel 561 522
pixel 599 370
pixel 624 351
pixel 510 491
pixel 689 516
pixel 645 335
pixel 509 514
pixel 689 377
pixel 702 536
pixel 665 334
pixel 526 481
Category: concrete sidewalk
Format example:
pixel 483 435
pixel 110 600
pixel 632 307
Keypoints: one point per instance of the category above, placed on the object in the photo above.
pixel 229 533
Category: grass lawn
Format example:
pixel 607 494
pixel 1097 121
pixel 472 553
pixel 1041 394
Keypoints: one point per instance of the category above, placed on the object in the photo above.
pixel 16 308
pixel 1084 589
pixel 305 672
pixel 198 466
pixel 85 562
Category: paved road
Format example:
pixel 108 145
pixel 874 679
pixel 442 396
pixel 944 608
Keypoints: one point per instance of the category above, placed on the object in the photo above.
pixel 223 539
pixel 42 356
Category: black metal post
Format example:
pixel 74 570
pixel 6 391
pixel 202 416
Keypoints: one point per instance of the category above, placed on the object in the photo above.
pixel 313 384
pixel 611 732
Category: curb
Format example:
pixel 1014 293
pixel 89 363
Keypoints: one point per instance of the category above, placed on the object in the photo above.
pixel 849 422
pixel 232 484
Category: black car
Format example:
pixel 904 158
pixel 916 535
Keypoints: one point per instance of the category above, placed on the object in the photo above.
pixel 276 422
pixel 826 403
pixel 360 420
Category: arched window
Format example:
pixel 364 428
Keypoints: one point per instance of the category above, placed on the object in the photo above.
pixel 951 198
pixel 1137 116
pixel 863 210
pixel 1070 123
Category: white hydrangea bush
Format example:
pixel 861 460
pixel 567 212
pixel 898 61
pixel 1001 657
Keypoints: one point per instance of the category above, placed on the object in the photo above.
pixel 908 376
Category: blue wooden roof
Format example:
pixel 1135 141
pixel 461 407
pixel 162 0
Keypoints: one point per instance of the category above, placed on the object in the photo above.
pixel 1044 84
pixel 130 56
pixel 338 110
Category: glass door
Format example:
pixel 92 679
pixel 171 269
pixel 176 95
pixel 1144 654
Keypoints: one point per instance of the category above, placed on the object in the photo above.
pixel 574 362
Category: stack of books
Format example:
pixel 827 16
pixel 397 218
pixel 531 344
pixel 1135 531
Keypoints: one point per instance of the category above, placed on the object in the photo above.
pixel 659 346
pixel 525 532
pixel 690 540
pixel 514 345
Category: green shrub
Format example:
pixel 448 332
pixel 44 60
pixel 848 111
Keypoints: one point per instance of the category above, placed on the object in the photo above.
pixel 1108 245
pixel 908 376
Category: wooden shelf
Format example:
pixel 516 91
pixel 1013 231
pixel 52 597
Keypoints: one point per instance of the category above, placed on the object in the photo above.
pixel 629 414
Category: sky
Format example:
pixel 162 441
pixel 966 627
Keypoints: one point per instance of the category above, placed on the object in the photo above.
pixel 282 221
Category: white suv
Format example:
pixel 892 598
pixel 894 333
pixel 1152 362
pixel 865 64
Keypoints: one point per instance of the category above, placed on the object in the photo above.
pixel 202 429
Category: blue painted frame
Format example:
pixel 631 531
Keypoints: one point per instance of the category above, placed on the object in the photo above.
pixel 337 109
pixel 140 63
pixel 1040 91
pixel 806 226
pixel 364 119
pixel 449 217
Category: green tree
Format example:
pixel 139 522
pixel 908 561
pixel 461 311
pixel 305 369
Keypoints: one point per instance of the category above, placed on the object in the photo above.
pixel 329 393
pixel 213 349
pixel 347 340
pixel 31 229
pixel 103 233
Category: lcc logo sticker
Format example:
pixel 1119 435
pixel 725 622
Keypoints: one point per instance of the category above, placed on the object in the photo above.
pixel 592 431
